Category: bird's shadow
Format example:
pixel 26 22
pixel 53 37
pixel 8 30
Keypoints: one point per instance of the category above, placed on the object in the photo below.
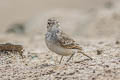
pixel 81 61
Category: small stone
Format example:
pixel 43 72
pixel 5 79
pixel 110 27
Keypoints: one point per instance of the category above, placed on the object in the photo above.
pixel 99 52
pixel 117 42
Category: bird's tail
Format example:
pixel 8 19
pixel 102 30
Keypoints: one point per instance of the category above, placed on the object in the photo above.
pixel 79 51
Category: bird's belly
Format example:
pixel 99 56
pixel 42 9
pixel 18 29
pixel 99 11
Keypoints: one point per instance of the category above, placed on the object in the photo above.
pixel 62 51
pixel 59 50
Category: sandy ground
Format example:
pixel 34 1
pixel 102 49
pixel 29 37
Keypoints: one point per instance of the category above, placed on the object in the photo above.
pixel 95 27
pixel 41 64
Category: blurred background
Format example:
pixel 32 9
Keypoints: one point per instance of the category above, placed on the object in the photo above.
pixel 25 21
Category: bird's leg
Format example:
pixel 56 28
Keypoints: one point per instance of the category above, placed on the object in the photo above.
pixel 86 55
pixel 61 59
pixel 70 57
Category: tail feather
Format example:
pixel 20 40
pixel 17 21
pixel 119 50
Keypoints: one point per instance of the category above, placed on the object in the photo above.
pixel 79 51
pixel 79 48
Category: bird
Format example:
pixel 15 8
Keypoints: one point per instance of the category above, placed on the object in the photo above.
pixel 59 42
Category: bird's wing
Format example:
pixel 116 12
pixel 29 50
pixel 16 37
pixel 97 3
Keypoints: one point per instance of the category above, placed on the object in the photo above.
pixel 67 42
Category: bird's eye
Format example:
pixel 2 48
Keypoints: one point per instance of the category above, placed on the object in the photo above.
pixel 49 23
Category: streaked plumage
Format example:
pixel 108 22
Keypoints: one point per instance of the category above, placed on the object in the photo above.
pixel 59 42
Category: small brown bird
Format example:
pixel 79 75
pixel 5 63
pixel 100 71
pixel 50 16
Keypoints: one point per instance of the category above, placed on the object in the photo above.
pixel 59 42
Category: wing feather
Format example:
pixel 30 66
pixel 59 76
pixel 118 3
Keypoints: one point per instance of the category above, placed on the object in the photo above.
pixel 67 42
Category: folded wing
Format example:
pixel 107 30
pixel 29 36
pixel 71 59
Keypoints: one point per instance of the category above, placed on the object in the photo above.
pixel 67 42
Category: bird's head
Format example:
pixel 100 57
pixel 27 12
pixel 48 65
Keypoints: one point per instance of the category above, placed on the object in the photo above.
pixel 52 23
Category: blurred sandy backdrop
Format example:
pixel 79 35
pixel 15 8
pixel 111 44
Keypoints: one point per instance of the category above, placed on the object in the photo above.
pixel 82 17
